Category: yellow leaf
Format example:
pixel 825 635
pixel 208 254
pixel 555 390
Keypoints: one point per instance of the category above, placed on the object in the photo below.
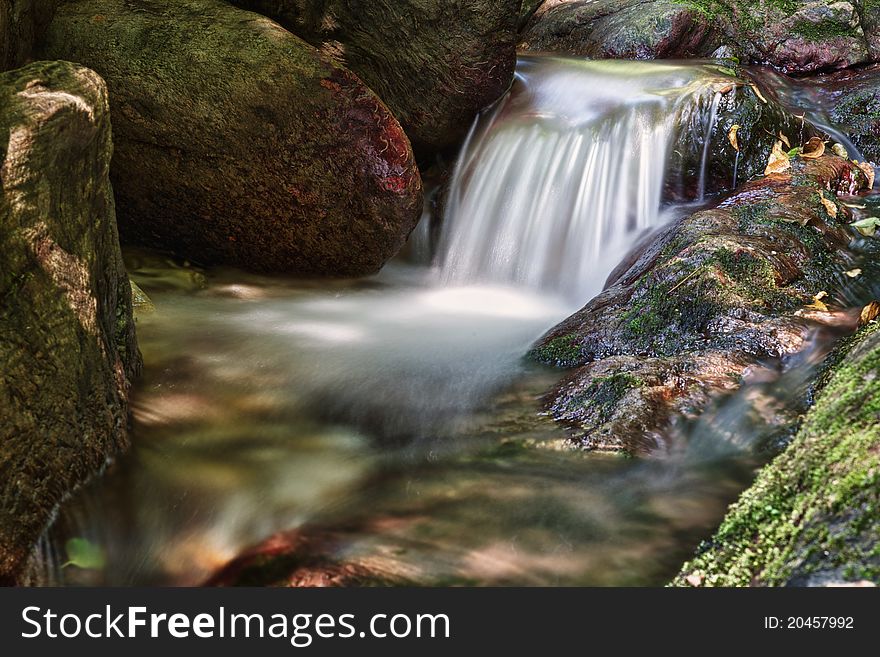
pixel 869 313
pixel 758 93
pixel 840 151
pixel 813 149
pixel 830 206
pixel 817 302
pixel 779 160
pixel 731 137
pixel 784 139
pixel 852 273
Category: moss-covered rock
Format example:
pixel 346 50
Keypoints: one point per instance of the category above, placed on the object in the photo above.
pixel 713 294
pixel 624 29
pixel 812 516
pixel 21 24
pixel 238 143
pixel 436 63
pixel 67 340
pixel 856 110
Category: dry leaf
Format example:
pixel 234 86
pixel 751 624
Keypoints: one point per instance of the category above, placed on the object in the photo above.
pixel 869 313
pixel 817 302
pixel 758 93
pixel 830 206
pixel 868 170
pixel 840 151
pixel 784 139
pixel 779 160
pixel 813 149
pixel 731 137
pixel 867 226
pixel 852 273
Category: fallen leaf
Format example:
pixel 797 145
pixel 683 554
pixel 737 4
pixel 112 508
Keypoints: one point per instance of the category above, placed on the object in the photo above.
pixel 694 579
pixel 813 149
pixel 779 160
pixel 867 227
pixel 830 206
pixel 817 302
pixel 840 151
pixel 852 273
pixel 83 554
pixel 731 137
pixel 784 139
pixel 868 170
pixel 758 93
pixel 869 313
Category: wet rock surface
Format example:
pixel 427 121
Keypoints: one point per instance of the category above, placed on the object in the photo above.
pixel 631 29
pixel 67 340
pixel 711 296
pixel 22 23
pixel 436 63
pixel 811 517
pixel 238 143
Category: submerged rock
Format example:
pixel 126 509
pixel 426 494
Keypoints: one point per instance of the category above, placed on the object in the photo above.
pixel 67 339
pixel 712 295
pixel 623 29
pixel 22 22
pixel 436 63
pixel 812 517
pixel 856 110
pixel 237 143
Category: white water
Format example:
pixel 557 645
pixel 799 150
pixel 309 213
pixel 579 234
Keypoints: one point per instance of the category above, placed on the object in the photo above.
pixel 556 181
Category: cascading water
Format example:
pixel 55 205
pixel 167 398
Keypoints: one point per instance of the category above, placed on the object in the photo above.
pixel 560 176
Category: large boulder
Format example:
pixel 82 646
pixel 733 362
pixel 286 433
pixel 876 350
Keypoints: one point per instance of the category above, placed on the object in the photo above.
pixel 812 517
pixel 67 339
pixel 238 143
pixel 623 29
pixel 21 24
pixel 436 63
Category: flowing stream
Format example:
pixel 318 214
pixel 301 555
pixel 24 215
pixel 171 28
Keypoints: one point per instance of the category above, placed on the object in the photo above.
pixel 397 413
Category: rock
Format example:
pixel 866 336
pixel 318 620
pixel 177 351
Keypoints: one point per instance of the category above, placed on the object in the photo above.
pixel 812 517
pixel 236 143
pixel 22 22
pixel 436 63
pixel 623 29
pixel 67 339
pixel 855 109
pixel 713 294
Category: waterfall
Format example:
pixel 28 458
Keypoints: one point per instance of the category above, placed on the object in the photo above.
pixel 556 181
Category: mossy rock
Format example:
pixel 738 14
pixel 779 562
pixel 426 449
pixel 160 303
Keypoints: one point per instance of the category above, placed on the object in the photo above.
pixel 238 143
pixel 812 516
pixel 856 111
pixel 436 63
pixel 67 339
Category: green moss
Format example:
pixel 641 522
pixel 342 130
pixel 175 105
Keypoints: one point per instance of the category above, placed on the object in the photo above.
pixel 602 396
pixel 816 508
pixel 822 30
pixel 562 351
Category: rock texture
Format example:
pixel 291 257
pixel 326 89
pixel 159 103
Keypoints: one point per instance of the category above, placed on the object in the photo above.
pixel 238 143
pixel 21 24
pixel 684 318
pixel 813 515
pixel 67 340
pixel 622 29
pixel 855 109
pixel 436 63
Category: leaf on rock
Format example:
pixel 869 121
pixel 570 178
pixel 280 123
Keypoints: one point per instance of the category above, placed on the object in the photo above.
pixel 830 206
pixel 813 149
pixel 817 302
pixel 867 227
pixel 779 160
pixel 784 139
pixel 869 313
pixel 731 137
pixel 83 554
pixel 853 273
pixel 868 170
pixel 758 93
pixel 840 151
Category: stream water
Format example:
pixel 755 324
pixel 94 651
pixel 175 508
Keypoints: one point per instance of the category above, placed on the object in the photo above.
pixel 397 413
